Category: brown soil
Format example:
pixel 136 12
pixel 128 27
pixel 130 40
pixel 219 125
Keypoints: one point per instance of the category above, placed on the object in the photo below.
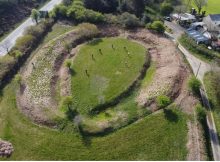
pixel 170 69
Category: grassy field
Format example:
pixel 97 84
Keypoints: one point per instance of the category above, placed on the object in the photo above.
pixel 161 136
pixel 213 88
pixel 212 7
pixel 124 113
pixel 110 71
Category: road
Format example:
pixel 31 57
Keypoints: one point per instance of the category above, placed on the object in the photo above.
pixel 199 68
pixel 10 40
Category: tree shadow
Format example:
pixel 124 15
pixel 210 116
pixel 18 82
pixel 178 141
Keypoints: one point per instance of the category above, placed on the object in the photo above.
pixel 95 41
pixel 170 115
pixel 72 72
pixel 85 138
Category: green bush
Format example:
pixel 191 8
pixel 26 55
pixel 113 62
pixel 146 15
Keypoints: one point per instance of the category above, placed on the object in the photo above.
pixel 66 103
pixel 18 79
pixel 81 14
pixel 163 101
pixel 88 30
pixel 157 26
pixel 201 112
pixel 68 63
pixel 24 42
pixel 194 85
pixel 202 50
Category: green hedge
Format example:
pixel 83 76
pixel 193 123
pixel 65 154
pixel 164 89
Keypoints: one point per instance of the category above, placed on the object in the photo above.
pixel 202 50
pixel 11 63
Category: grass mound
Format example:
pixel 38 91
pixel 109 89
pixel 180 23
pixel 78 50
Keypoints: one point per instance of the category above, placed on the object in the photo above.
pixel 152 138
pixel 103 69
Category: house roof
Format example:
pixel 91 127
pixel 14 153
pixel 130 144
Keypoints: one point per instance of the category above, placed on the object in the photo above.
pixel 215 17
pixel 184 16
pixel 197 36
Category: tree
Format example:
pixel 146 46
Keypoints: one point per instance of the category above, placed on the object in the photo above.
pixel 133 6
pixel 166 9
pixel 163 101
pixel 157 26
pixel 200 4
pixel 104 6
pixel 194 85
pixel 35 15
pixel 68 63
pixel 129 20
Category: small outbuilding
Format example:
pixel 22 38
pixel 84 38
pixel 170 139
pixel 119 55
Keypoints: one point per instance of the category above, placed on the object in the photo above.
pixel 198 37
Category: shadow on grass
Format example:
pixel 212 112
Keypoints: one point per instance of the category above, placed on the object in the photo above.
pixel 95 42
pixel 170 115
pixel 85 138
pixel 72 72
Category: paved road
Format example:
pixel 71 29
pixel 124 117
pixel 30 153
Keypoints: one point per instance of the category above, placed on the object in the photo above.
pixel 199 68
pixel 10 40
pixel 176 29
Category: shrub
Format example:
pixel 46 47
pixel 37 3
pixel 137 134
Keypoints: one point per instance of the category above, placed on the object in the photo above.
pixel 201 112
pixel 34 30
pixel 66 103
pixel 68 63
pixel 18 79
pixel 88 30
pixel 24 42
pixel 158 26
pixel 163 101
pixel 16 54
pixel 111 19
pixel 191 45
pixel 128 20
pixel 81 14
pixel 194 85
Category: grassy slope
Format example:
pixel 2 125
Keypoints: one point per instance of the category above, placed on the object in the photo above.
pixel 213 7
pixel 157 137
pixel 108 73
pixel 212 87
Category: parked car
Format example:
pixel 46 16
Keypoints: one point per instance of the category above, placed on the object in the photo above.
pixel 167 18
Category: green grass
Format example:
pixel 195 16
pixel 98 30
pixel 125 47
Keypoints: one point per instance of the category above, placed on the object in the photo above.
pixel 161 136
pixel 109 73
pixel 124 113
pixel 212 7
pixel 213 90
pixel 57 30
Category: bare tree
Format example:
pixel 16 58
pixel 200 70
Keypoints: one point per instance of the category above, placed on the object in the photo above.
pixel 200 4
